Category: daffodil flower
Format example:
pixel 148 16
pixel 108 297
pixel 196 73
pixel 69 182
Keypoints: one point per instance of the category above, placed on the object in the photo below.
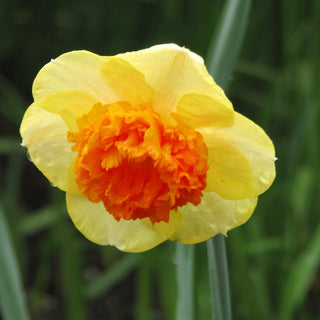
pixel 146 146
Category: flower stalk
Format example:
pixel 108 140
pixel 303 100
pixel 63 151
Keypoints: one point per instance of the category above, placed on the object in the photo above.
pixel 222 55
pixel 185 267
pixel 219 280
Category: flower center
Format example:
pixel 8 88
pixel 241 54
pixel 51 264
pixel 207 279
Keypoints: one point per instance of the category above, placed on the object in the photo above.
pixel 135 164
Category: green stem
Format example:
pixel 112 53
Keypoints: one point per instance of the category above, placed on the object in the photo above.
pixel 218 276
pixel 222 56
pixel 185 266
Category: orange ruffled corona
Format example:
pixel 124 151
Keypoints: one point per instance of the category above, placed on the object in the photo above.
pixel 135 165
pixel 146 146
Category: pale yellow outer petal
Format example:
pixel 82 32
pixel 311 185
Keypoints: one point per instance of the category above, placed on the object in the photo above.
pixel 70 105
pixel 241 159
pixel 212 216
pixel 75 70
pixel 44 134
pixel 96 224
pixel 173 72
pixel 127 81
pixel 201 111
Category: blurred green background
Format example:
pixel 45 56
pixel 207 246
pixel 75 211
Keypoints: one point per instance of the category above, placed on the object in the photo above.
pixel 274 259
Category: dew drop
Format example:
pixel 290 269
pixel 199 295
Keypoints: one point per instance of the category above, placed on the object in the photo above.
pixel 241 207
pixel 50 162
pixel 56 179
pixel 196 231
pixel 212 225
pixel 29 156
pixel 265 177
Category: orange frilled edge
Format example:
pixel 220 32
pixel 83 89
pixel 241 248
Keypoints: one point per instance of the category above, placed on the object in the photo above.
pixel 137 165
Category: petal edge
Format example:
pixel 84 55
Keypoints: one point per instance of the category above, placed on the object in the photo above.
pixel 212 216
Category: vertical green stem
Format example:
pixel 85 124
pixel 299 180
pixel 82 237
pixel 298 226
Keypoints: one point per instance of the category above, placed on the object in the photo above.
pixel 185 266
pixel 222 55
pixel 218 276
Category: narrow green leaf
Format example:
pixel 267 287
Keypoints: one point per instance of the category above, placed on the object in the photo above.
pixel 264 246
pixel 111 276
pixel 41 220
pixel 256 70
pixel 226 42
pixel 300 277
pixel 12 300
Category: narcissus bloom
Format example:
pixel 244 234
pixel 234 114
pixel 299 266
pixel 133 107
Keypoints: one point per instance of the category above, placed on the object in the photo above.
pixel 146 146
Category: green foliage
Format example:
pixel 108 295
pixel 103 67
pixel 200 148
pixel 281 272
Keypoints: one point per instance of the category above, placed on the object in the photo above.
pixel 274 259
pixel 12 300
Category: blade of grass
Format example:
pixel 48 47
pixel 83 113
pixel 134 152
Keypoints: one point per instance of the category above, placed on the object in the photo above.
pixel 300 277
pixel 185 266
pixel 40 220
pixel 107 279
pixel 263 246
pixel 226 42
pixel 256 70
pixel 12 298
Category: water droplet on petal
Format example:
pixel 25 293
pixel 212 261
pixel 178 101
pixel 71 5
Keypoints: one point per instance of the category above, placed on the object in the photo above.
pixel 212 225
pixel 29 156
pixel 265 177
pixel 242 208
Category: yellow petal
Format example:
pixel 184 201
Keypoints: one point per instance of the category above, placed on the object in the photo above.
pixel 127 81
pixel 212 216
pixel 173 72
pixel 96 224
pixel 70 105
pixel 44 134
pixel 201 111
pixel 75 70
pixel 241 159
